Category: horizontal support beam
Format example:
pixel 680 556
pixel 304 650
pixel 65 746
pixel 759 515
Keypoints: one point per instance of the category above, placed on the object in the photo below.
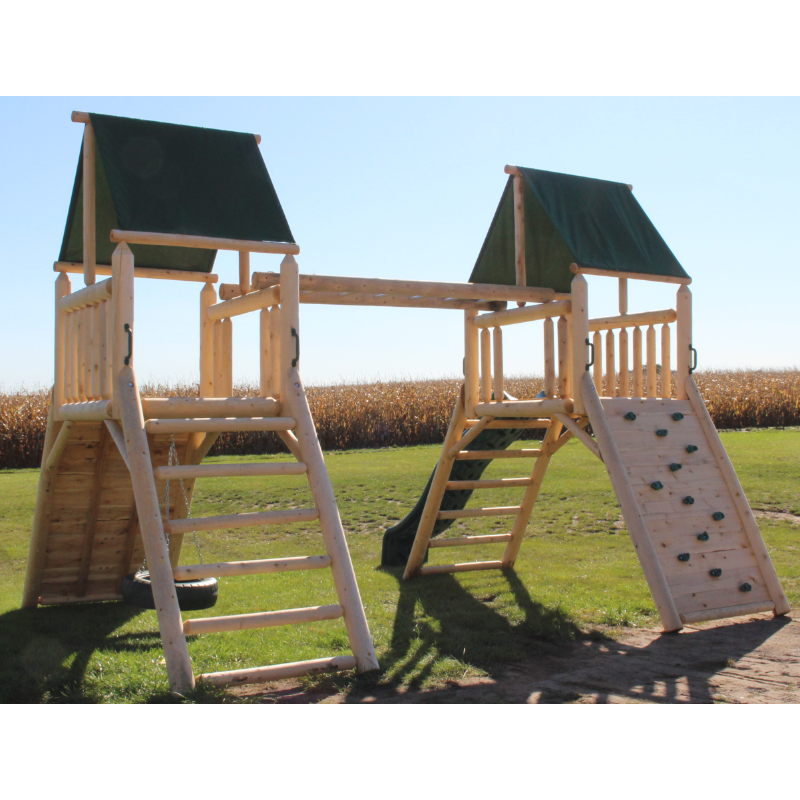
pixel 487 455
pixel 633 320
pixel 88 296
pixel 636 276
pixel 498 483
pixel 231 569
pixel 443 569
pixel 249 519
pixel 76 267
pixel 467 540
pixel 452 291
pixel 513 316
pixel 509 423
pixel 90 411
pixel 397 301
pixel 253 301
pixel 545 407
pixel 278 672
pixel 229 471
pixel 203 242
pixel 201 407
pixel 266 619
pixel 469 513
pixel 220 425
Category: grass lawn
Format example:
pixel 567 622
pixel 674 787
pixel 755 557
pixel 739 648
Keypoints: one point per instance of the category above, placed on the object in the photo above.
pixel 577 575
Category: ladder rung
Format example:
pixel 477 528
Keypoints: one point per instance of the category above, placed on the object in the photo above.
pixel 440 569
pixel 219 425
pixel 464 513
pixel 500 483
pixel 464 540
pixel 230 569
pixel 264 619
pixel 245 520
pixel 277 672
pixel 228 470
pixel 485 455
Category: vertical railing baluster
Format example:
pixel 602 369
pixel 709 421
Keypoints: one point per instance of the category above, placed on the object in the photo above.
pixel 666 367
pixel 638 377
pixel 624 372
pixel 471 363
pixel 219 373
pixel 486 366
pixel 652 372
pixel 611 374
pixel 102 351
pixel 63 288
pixel 275 350
pixel 497 341
pixel 549 359
pixel 208 296
pixel 564 367
pixel 597 371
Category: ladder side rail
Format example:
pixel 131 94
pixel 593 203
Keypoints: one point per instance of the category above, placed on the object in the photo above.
pixel 637 528
pixel 130 412
pixel 436 491
pixel 529 497
pixel 294 397
pixel 739 499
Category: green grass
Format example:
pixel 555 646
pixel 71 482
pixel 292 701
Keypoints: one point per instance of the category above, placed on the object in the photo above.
pixel 576 575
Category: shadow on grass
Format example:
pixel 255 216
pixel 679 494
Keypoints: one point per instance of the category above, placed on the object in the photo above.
pixel 44 652
pixel 437 619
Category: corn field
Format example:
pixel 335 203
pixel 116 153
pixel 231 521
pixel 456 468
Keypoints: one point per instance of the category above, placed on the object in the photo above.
pixel 395 413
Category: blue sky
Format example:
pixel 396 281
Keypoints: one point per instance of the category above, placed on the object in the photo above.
pixel 406 187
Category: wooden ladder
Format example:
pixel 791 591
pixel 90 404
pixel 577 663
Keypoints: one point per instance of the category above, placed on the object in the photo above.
pixel 454 449
pixel 300 436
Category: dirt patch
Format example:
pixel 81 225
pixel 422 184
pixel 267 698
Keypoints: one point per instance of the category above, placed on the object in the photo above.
pixel 782 516
pixel 748 660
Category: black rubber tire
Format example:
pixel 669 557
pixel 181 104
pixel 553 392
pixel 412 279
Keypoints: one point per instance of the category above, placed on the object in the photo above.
pixel 192 595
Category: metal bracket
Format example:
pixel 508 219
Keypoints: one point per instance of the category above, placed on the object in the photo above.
pixel 591 363
pixel 129 330
pixel 296 359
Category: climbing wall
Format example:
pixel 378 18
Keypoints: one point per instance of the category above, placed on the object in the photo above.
pixel 93 537
pixel 704 534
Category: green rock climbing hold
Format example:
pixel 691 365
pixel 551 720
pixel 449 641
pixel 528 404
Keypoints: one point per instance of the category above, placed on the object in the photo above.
pixel 662 432
pixel 688 500
pixel 656 485
pixel 745 587
pixel 684 556
pixel 675 467
pixel 715 573
pixel 677 416
pixel 691 448
pixel 703 537
pixel 717 516
pixel 630 415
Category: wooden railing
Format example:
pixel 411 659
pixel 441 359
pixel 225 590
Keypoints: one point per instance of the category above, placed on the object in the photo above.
pixel 651 373
pixel 483 363
pixel 83 342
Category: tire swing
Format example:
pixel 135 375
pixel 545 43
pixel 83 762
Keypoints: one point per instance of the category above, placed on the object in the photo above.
pixel 193 595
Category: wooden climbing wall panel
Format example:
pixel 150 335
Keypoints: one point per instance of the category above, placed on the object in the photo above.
pixel 708 545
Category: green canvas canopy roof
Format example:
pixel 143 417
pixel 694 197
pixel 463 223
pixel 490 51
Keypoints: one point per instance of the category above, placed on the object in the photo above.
pixel 570 219
pixel 164 178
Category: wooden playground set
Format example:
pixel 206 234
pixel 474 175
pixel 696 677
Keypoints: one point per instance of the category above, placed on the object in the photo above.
pixel 157 201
